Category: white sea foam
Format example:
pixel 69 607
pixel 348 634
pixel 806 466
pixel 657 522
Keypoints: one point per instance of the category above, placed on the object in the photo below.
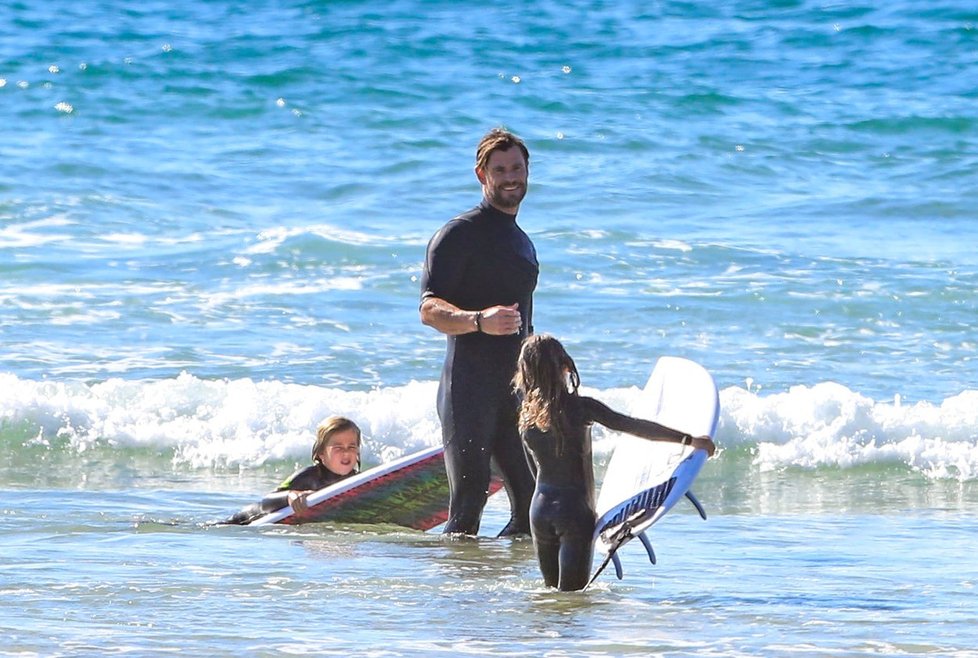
pixel 829 425
pixel 207 423
pixel 244 423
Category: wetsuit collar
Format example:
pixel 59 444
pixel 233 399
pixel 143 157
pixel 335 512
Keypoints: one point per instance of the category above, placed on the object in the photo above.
pixel 326 473
pixel 495 213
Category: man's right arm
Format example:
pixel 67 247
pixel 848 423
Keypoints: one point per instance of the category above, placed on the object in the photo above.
pixel 446 259
pixel 448 318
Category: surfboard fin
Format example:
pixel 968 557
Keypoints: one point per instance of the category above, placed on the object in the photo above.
pixel 696 504
pixel 648 547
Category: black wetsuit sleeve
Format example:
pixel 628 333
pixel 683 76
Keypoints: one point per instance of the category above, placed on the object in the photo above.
pixel 275 501
pixel 601 413
pixel 445 262
pixel 310 478
pixel 280 497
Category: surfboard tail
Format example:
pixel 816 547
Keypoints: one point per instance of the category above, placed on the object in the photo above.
pixel 621 536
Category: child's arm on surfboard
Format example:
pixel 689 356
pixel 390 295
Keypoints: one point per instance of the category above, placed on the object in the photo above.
pixel 645 429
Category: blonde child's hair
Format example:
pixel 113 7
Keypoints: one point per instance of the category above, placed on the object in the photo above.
pixel 326 430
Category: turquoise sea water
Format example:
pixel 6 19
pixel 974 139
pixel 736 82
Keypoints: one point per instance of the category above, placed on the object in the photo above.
pixel 212 222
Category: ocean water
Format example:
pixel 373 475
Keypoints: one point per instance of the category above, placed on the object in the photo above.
pixel 212 222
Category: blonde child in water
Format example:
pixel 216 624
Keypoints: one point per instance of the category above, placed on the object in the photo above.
pixel 335 456
pixel 555 424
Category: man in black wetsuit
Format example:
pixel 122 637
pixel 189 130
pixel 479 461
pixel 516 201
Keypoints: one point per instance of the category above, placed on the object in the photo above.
pixel 477 288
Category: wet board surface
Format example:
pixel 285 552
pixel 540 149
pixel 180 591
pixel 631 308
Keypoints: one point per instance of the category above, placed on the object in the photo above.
pixel 411 491
pixel 645 479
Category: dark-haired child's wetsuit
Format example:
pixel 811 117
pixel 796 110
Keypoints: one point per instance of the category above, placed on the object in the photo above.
pixel 478 260
pixel 562 514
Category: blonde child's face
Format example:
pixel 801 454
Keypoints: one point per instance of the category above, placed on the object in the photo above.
pixel 341 452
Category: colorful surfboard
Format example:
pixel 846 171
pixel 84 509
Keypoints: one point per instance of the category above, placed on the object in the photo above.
pixel 411 491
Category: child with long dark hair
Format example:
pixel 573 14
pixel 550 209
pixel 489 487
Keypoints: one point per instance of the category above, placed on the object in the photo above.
pixel 555 424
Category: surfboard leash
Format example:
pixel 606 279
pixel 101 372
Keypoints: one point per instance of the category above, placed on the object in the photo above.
pixel 619 539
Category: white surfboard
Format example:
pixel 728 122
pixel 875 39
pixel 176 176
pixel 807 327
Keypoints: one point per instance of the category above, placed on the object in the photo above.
pixel 645 479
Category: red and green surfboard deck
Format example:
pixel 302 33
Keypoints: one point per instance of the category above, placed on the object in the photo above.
pixel 411 491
